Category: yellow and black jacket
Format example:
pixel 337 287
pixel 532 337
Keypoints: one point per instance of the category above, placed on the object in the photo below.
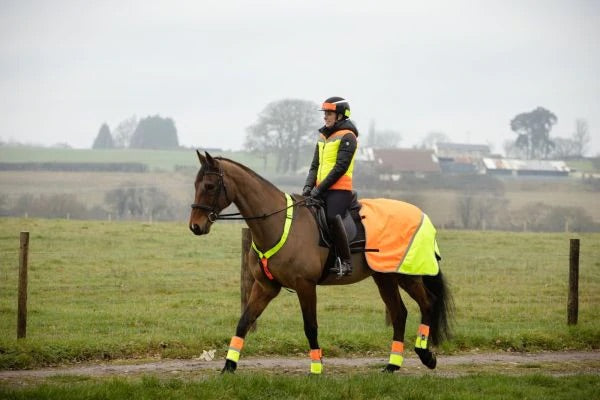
pixel 333 160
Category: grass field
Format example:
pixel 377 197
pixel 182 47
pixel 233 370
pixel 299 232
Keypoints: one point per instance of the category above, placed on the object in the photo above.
pixel 352 386
pixel 106 290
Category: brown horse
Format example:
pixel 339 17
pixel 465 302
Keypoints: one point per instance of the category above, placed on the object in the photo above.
pixel 299 263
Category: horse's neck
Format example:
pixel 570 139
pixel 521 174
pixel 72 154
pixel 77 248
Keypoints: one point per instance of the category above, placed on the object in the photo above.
pixel 256 198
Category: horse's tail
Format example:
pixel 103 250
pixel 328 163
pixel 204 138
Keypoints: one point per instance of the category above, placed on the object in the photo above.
pixel 442 309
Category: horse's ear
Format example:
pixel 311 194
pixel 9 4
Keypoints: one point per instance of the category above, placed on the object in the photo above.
pixel 209 159
pixel 202 159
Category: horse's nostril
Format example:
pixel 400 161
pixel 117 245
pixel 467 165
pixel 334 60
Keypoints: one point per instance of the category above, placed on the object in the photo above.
pixel 195 228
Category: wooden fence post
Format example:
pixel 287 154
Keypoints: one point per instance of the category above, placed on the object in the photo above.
pixel 573 300
pixel 22 302
pixel 246 278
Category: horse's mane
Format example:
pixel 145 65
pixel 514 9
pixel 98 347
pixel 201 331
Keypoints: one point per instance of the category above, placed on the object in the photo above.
pixel 248 170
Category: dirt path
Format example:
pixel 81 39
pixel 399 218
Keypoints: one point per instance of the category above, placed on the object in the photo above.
pixel 555 363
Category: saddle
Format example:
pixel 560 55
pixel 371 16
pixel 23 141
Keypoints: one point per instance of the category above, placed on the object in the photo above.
pixel 352 224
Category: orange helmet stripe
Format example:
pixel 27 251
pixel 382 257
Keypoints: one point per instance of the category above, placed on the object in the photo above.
pixel 328 107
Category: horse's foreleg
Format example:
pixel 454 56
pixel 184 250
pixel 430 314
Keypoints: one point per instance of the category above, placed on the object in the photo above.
pixel 388 290
pixel 307 295
pixel 416 289
pixel 260 296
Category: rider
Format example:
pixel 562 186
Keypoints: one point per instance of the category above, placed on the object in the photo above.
pixel 330 174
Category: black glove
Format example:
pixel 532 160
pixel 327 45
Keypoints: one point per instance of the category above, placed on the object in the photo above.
pixel 306 191
pixel 315 192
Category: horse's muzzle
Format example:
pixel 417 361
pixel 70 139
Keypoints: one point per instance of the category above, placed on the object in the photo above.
pixel 197 230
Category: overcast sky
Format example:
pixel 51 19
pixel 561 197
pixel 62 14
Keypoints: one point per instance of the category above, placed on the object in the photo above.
pixel 464 68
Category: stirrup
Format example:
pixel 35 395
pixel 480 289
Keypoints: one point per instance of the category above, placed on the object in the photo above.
pixel 341 268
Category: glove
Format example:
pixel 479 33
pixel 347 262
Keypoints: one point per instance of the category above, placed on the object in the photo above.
pixel 315 192
pixel 306 191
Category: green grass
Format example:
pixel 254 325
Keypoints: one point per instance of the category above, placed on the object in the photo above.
pixel 367 386
pixel 106 290
pixel 582 165
pixel 164 160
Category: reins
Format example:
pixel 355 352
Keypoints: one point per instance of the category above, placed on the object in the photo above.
pixel 231 216
pixel 214 212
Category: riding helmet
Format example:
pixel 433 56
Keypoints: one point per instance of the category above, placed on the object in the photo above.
pixel 337 104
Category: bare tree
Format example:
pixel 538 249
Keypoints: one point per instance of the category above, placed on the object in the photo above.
pixel 581 137
pixel 432 138
pixel 477 210
pixel 513 151
pixel 564 148
pixel 284 127
pixel 124 131
pixel 382 139
pixel 130 201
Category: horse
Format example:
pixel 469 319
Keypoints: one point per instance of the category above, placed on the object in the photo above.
pixel 298 262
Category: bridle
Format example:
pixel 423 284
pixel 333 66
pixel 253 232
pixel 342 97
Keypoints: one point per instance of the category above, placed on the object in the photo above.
pixel 213 211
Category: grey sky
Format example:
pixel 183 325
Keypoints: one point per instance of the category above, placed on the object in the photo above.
pixel 464 68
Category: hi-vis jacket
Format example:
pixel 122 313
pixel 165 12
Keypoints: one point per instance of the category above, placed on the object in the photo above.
pixel 333 160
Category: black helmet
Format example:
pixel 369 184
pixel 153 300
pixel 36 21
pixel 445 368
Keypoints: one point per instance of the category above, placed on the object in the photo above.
pixel 337 104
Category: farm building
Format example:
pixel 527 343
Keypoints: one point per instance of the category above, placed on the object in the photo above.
pixel 393 164
pixel 516 167
pixel 460 158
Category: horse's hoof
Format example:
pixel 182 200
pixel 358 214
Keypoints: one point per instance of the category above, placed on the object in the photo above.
pixel 390 368
pixel 427 358
pixel 229 367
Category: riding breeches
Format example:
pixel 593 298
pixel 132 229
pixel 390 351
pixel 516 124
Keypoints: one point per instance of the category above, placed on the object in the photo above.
pixel 337 202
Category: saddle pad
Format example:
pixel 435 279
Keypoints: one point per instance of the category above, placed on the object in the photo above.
pixel 403 234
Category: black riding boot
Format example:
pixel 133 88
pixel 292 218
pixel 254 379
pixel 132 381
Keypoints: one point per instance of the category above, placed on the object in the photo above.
pixel 343 264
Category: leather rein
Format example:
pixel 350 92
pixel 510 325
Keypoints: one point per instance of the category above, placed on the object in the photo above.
pixel 213 211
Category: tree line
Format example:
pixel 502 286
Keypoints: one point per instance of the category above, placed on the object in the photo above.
pixel 152 132
pixel 286 129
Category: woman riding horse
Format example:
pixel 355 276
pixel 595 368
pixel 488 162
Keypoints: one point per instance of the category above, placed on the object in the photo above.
pixel 330 174
pixel 286 253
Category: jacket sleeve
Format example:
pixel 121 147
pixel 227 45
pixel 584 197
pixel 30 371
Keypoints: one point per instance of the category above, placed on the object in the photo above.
pixel 311 179
pixel 344 158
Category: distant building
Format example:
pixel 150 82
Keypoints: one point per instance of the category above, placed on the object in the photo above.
pixel 516 167
pixel 461 158
pixel 393 164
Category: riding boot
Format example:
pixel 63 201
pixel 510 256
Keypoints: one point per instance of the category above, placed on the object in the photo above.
pixel 343 263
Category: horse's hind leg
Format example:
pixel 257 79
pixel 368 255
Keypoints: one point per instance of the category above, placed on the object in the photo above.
pixel 388 289
pixel 413 285
pixel 260 296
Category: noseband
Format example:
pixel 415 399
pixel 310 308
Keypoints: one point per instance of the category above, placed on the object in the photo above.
pixel 213 211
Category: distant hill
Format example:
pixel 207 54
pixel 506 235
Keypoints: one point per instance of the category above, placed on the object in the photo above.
pixel 155 160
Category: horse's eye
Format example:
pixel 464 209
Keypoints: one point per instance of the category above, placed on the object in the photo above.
pixel 209 186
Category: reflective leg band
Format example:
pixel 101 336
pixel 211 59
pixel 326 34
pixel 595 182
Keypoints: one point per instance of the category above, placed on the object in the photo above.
pixel 396 357
pixel 235 347
pixel 316 366
pixel 422 336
